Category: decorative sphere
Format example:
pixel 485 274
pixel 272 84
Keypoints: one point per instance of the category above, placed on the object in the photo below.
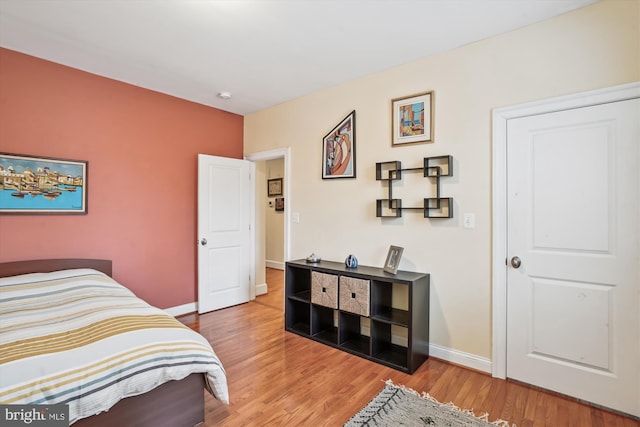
pixel 351 261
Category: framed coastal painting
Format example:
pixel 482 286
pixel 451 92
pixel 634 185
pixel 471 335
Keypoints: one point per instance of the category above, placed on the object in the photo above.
pixel 412 119
pixel 339 150
pixel 42 185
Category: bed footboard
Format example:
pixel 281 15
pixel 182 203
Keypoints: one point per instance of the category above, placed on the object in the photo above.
pixel 173 404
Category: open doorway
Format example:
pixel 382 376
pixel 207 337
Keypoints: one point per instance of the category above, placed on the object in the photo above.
pixel 266 164
pixel 273 171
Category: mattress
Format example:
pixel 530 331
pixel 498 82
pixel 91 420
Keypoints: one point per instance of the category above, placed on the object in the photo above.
pixel 80 338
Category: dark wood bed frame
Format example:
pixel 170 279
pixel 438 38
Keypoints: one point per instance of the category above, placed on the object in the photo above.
pixel 173 404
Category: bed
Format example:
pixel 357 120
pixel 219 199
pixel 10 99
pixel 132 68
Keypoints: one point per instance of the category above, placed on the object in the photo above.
pixel 71 334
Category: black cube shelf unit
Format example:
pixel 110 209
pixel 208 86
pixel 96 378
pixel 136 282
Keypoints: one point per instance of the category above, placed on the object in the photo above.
pixel 434 207
pixel 327 302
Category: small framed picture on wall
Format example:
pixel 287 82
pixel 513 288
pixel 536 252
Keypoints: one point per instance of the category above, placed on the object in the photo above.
pixel 274 187
pixel 412 119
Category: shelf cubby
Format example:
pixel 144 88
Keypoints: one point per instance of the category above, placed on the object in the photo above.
pixel 351 337
pixel 322 324
pixel 298 316
pixel 384 308
pixel 298 284
pixel 383 348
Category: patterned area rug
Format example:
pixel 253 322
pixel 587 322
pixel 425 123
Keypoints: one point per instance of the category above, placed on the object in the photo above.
pixel 400 406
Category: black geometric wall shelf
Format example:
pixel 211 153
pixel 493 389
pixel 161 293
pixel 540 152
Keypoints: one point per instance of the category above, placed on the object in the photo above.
pixel 433 207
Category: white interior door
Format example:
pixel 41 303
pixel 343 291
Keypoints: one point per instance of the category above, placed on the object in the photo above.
pixel 225 206
pixel 573 222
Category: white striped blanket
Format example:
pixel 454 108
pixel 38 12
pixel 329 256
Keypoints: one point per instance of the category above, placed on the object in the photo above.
pixel 80 338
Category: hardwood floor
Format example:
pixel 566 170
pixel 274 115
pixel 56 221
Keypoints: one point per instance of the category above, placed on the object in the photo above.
pixel 275 297
pixel 278 378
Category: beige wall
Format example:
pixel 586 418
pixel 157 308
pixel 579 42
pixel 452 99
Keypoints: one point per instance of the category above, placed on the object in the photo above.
pixel 593 47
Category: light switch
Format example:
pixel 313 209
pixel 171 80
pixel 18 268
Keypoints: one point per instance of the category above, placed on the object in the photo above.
pixel 469 220
pixel 295 217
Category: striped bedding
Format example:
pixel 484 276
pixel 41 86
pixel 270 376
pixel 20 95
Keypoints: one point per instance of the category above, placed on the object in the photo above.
pixel 80 338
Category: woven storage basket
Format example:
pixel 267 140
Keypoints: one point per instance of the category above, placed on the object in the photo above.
pixel 354 295
pixel 324 289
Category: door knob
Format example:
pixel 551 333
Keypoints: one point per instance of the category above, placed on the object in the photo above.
pixel 516 262
pixel 203 242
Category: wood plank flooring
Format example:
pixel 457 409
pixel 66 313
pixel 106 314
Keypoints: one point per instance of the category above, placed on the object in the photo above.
pixel 277 378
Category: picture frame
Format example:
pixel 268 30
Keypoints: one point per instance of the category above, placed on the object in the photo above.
pixel 339 150
pixel 412 119
pixel 279 204
pixel 274 187
pixel 42 185
pixel 393 259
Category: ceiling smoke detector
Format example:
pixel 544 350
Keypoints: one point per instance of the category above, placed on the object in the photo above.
pixel 224 95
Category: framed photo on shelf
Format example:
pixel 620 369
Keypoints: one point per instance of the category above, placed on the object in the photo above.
pixel 42 185
pixel 339 150
pixel 393 259
pixel 412 119
pixel 274 187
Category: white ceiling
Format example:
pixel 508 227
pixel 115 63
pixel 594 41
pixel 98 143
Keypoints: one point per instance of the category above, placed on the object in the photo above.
pixel 264 52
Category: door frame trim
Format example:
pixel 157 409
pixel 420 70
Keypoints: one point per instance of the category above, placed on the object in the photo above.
pixel 499 255
pixel 286 193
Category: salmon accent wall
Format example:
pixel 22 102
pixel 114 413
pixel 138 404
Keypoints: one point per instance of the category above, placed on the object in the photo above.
pixel 142 151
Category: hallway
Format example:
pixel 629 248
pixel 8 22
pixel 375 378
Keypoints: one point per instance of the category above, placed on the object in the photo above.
pixel 275 284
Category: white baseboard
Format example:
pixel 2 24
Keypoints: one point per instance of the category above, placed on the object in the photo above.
pixel 460 358
pixel 193 306
pixel 261 289
pixel 182 309
pixel 454 356
pixel 278 265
